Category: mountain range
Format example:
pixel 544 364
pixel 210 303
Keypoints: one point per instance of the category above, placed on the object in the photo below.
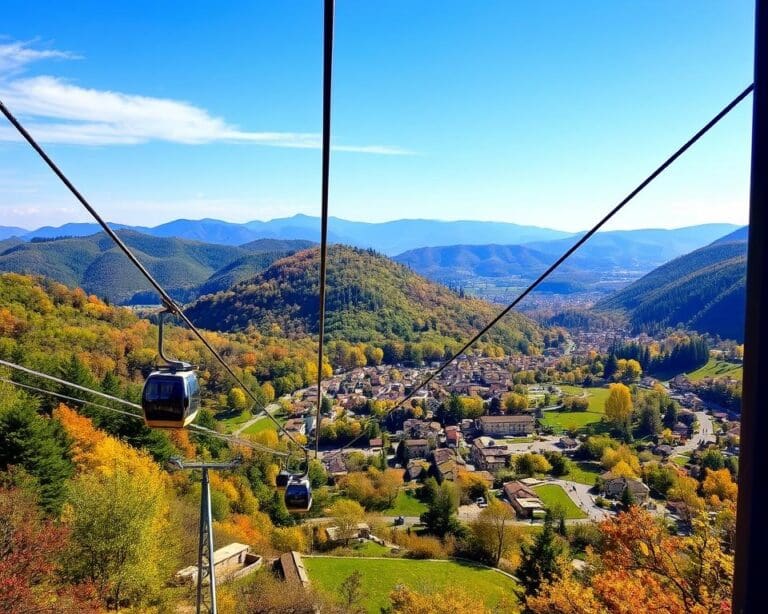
pixel 186 268
pixel 386 237
pixel 704 290
pixel 612 256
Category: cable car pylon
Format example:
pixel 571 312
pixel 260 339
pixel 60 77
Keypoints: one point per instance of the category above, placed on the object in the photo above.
pixel 206 566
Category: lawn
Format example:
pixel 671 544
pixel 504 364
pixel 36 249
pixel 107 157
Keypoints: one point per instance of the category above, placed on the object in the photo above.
pixel 232 422
pixel 553 495
pixel 520 439
pixel 682 461
pixel 597 396
pixel 583 472
pixel 406 504
pixel 716 368
pixel 369 548
pixel 264 424
pixel 567 420
pixel 380 577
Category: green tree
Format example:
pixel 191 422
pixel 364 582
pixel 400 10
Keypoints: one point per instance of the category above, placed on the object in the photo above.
pixel 36 444
pixel 493 531
pixel 539 561
pixel 347 514
pixel 440 517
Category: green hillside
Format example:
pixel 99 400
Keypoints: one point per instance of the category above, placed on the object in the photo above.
pixel 369 298
pixel 704 290
pixel 95 264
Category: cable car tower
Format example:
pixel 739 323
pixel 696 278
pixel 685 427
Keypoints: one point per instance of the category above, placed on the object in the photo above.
pixel 206 566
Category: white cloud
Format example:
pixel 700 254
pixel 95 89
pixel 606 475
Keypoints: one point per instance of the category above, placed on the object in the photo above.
pixel 15 56
pixel 57 111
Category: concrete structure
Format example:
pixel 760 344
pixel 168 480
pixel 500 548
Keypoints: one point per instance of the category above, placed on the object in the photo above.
pixel 415 448
pixel 488 455
pixel 523 499
pixel 292 568
pixel 230 562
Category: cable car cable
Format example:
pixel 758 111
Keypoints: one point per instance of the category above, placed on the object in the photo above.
pixel 168 302
pixel 328 8
pixel 569 252
pixel 203 430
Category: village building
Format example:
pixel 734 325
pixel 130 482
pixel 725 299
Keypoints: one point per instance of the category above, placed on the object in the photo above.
pixel 488 455
pixel 415 448
pixel 523 500
pixel 505 425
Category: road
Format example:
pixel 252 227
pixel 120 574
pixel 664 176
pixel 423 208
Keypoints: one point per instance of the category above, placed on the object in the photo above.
pixel 706 434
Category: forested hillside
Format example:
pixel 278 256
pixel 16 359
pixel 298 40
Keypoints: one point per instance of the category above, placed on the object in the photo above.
pixel 704 290
pixel 181 265
pixel 369 298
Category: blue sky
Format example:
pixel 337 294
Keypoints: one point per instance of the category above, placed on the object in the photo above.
pixel 541 113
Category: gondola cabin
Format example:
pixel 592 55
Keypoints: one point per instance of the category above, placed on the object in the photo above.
pixel 282 479
pixel 170 399
pixel 298 495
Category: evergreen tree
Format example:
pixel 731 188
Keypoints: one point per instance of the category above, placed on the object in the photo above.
pixel 539 561
pixel 440 518
pixel 611 366
pixel 627 500
pixel 36 444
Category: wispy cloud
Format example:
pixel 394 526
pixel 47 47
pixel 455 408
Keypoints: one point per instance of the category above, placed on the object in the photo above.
pixel 57 111
pixel 18 54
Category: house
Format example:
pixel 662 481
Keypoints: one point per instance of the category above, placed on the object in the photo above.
pixel 415 448
pixel 230 562
pixel 613 488
pixel 487 455
pixel 416 467
pixel 452 436
pixel 447 463
pixel 523 499
pixel 335 465
pixel 567 443
pixel 505 425
pixel 335 534
pixel 296 426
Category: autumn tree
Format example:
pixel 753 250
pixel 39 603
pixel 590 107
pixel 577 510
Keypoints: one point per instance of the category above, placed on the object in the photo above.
pixel 640 567
pixel 515 402
pixel 408 601
pixel 493 532
pixel 30 572
pixel 618 407
pixel 346 516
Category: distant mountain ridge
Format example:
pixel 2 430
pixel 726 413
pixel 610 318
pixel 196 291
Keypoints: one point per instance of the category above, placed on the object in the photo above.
pixel 186 268
pixel 386 237
pixel 607 256
pixel 704 290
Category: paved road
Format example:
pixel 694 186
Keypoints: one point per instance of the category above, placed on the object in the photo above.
pixel 706 434
pixel 271 408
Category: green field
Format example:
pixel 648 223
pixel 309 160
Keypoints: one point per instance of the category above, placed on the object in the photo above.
pixel 380 577
pixel 553 495
pixel 574 420
pixel 716 368
pixel 406 504
pixel 231 423
pixel 264 424
pixel 583 472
